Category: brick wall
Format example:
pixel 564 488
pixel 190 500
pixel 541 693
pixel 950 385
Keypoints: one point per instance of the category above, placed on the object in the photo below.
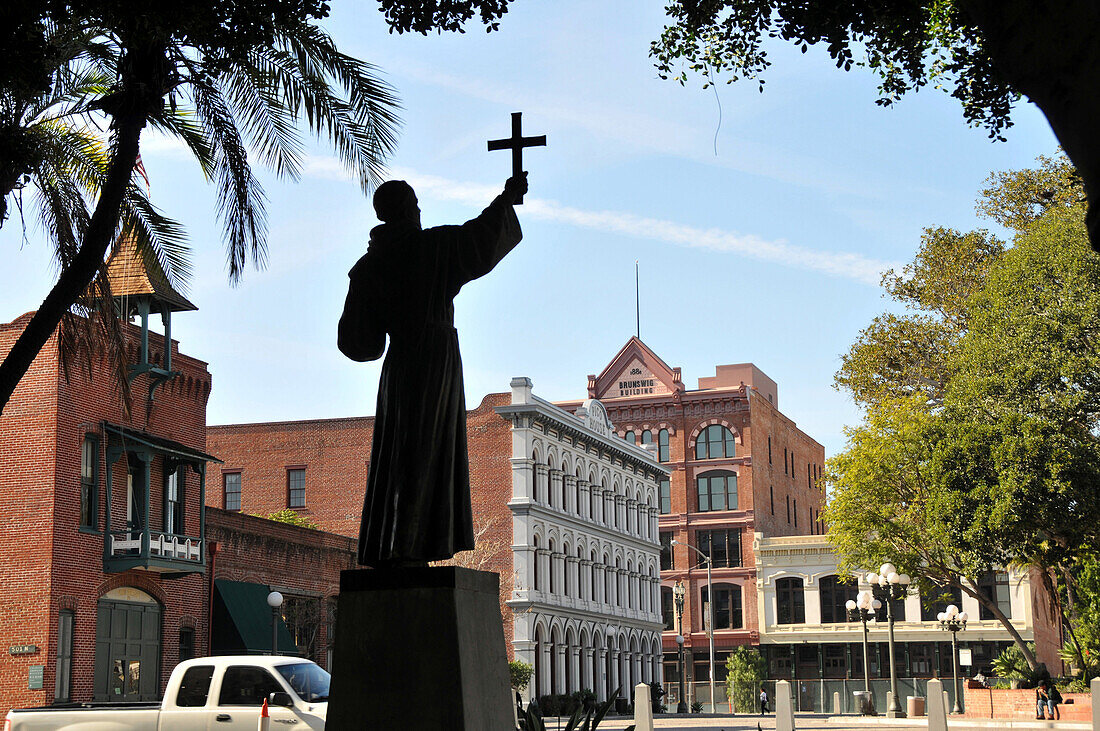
pixel 1006 703
pixel 50 562
pixel 335 454
pixel 28 429
pixel 299 562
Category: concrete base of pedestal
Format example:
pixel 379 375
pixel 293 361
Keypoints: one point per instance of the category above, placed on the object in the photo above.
pixel 419 648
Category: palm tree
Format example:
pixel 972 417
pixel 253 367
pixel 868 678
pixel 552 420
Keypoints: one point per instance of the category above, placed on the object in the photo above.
pixel 225 77
pixel 59 153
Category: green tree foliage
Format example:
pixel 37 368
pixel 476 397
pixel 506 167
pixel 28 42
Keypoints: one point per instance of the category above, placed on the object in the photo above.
pixel 746 668
pixel 1082 647
pixel 980 442
pixel 1012 665
pixel 520 674
pixel 224 76
pixel 985 53
pixel 290 517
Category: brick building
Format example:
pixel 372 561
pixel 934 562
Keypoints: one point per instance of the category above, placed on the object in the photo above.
pixel 546 486
pixel 113 568
pixel 738 466
pixel 318 467
pixel 104 532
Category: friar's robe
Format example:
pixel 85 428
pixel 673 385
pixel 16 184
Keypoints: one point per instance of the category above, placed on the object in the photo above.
pixel 417 505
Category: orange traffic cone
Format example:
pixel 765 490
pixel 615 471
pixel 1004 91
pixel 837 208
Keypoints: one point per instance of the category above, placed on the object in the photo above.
pixel 264 723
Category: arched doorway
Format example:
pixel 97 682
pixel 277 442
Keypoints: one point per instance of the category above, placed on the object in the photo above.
pixel 128 646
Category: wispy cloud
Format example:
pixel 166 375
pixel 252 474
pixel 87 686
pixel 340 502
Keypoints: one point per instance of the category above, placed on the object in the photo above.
pixel 652 132
pixel 838 264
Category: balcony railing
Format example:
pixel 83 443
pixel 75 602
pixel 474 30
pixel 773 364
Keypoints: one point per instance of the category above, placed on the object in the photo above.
pixel 155 551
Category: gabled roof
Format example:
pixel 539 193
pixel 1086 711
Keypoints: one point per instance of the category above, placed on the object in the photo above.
pixel 635 371
pixel 134 275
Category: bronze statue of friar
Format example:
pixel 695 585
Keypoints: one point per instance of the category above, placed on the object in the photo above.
pixel 417 505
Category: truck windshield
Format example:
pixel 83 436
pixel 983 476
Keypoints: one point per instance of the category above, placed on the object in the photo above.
pixel 308 681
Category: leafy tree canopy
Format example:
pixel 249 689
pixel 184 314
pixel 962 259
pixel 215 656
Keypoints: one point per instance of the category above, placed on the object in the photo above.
pixel 981 442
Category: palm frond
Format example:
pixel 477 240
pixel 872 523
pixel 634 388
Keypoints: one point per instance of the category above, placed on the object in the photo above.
pixel 180 122
pixel 241 202
pixel 266 120
pixel 305 66
pixel 157 236
pixel 74 152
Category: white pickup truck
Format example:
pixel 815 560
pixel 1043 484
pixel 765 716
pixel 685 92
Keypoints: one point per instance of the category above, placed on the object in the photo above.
pixel 209 693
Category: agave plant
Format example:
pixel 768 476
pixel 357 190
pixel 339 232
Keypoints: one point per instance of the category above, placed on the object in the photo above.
pixel 579 721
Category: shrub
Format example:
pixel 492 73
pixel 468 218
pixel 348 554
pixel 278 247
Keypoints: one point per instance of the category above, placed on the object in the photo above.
pixel 745 670
pixel 520 673
pixel 290 517
pixel 697 707
pixel 1011 664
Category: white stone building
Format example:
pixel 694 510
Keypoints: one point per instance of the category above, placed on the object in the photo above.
pixel 586 552
pixel 805 635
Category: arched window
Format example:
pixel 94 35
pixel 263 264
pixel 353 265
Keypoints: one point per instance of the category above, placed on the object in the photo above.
pixel 592 571
pixel 551 562
pixel 790 603
pixel 727 606
pixel 629 438
pixel 834 593
pixel 608 584
pixel 647 437
pixel 714 442
pixel 535 584
pixel 662 445
pixel 717 490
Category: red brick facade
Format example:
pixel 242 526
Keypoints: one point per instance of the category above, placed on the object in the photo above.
pixel 335 454
pixel 777 467
pixel 51 563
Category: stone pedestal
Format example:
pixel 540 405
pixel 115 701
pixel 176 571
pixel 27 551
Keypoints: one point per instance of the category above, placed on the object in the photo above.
pixel 419 648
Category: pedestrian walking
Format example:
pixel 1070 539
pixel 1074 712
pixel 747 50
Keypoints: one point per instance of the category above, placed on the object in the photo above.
pixel 763 701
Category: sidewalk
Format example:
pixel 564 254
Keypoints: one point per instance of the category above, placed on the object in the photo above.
pixel 707 722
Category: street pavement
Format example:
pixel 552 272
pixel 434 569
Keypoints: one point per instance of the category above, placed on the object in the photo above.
pixel 831 723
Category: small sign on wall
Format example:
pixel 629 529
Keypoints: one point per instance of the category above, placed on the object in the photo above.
pixel 34 677
pixel 22 649
pixel 965 656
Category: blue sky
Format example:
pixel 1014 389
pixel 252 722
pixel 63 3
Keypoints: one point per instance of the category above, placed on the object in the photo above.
pixel 760 222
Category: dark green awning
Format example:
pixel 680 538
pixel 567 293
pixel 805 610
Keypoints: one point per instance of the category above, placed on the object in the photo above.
pixel 242 620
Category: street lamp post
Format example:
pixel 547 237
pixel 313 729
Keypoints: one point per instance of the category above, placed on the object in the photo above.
pixel 710 619
pixel 953 620
pixel 678 592
pixel 274 600
pixel 892 586
pixel 863 609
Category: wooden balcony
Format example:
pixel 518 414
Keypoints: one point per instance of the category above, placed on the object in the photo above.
pixel 153 551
